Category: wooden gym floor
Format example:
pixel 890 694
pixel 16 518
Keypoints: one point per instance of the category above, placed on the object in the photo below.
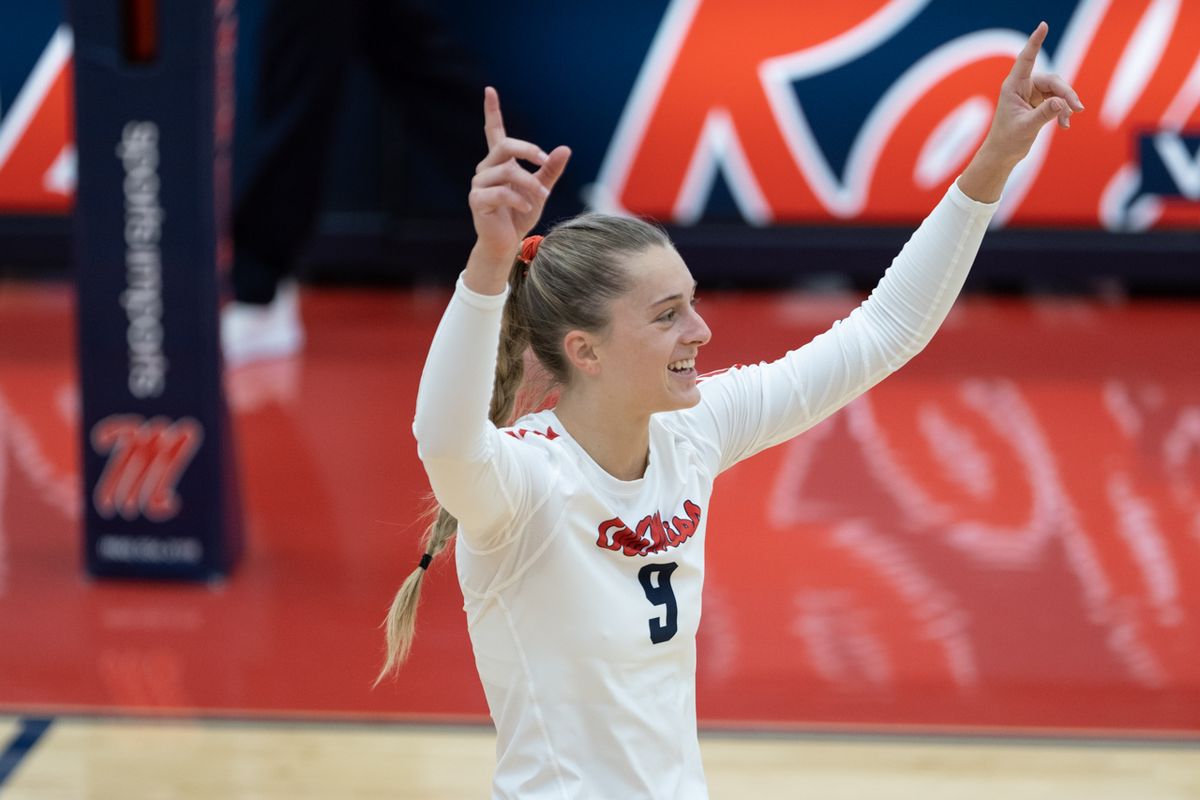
pixel 136 759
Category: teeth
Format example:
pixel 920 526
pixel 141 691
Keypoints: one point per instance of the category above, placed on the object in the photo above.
pixel 687 363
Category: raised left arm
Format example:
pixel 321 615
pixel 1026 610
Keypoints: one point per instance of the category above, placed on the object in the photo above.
pixel 1027 101
pixel 749 409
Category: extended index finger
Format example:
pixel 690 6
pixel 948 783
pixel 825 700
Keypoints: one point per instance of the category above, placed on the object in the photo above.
pixel 493 122
pixel 1023 67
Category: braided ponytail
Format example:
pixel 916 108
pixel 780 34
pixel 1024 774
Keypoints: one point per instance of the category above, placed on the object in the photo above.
pixel 401 620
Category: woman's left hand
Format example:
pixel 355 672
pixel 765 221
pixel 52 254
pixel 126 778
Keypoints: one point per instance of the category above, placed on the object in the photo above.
pixel 1027 102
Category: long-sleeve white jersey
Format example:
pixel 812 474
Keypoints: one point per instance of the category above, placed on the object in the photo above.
pixel 583 591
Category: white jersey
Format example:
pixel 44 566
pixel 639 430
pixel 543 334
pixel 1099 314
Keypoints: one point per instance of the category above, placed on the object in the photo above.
pixel 583 591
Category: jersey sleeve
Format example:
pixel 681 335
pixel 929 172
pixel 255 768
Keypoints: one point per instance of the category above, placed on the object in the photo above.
pixel 747 409
pixel 477 473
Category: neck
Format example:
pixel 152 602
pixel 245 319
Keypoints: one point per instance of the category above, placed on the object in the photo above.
pixel 619 443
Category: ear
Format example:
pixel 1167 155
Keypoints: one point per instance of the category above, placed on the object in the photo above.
pixel 580 349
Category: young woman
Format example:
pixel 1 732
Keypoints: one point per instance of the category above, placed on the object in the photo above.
pixel 581 528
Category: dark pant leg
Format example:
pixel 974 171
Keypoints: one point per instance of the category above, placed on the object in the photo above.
pixel 304 48
pixel 435 82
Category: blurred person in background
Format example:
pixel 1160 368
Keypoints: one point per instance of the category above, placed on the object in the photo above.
pixel 304 50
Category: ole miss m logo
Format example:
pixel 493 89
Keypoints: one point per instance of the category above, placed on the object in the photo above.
pixel 146 459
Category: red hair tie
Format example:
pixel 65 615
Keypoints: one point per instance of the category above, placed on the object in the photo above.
pixel 529 248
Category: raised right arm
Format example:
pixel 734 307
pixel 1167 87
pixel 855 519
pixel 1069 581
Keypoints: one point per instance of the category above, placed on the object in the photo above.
pixel 474 475
pixel 456 441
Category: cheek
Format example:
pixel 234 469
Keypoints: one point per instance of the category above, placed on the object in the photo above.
pixel 642 368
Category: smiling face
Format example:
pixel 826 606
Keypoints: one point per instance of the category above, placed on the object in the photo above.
pixel 645 361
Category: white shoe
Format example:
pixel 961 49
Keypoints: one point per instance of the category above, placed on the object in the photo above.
pixel 251 332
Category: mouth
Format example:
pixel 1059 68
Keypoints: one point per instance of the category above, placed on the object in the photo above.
pixel 684 369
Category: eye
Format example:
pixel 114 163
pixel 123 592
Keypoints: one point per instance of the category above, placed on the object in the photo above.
pixel 667 316
pixel 695 300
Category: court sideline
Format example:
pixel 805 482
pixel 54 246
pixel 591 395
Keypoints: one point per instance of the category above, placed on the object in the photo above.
pixel 81 757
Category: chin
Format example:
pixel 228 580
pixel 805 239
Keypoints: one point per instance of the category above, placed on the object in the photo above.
pixel 681 402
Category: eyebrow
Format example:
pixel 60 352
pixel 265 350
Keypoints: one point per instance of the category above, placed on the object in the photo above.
pixel 676 296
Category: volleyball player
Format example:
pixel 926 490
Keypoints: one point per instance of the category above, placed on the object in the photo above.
pixel 581 528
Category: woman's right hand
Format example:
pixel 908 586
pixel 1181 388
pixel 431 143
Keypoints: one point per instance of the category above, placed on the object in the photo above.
pixel 506 199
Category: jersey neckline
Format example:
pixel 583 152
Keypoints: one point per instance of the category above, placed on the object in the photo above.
pixel 607 480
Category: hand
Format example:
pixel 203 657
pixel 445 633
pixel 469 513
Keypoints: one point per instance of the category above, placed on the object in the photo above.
pixel 1027 102
pixel 506 199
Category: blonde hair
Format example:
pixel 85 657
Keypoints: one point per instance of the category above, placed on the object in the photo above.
pixel 577 272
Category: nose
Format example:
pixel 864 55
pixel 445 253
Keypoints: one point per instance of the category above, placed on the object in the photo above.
pixel 698 333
